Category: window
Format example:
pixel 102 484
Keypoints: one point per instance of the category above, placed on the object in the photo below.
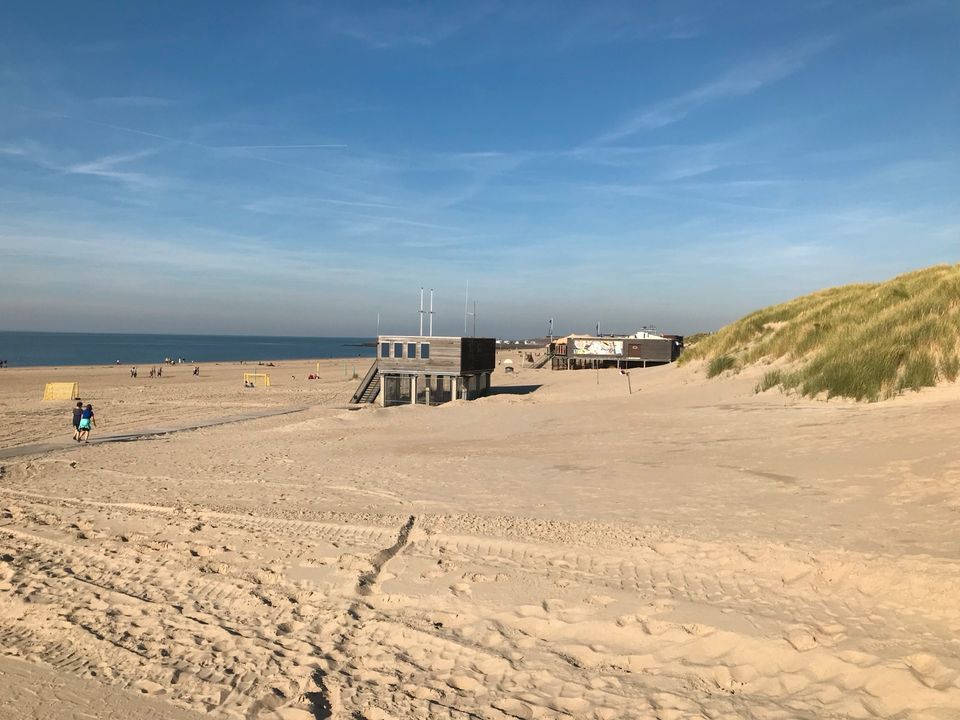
pixel 411 350
pixel 424 351
pixel 398 350
pixel 384 350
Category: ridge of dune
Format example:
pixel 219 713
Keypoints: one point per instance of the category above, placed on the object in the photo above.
pixel 867 341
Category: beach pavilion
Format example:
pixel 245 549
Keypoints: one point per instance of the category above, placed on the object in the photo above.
pixel 427 370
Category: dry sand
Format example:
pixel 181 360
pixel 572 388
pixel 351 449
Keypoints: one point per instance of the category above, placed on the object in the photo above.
pixel 560 549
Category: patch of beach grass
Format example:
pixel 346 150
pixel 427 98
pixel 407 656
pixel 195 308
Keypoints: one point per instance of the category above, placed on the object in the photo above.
pixel 690 340
pixel 720 364
pixel 772 379
pixel 864 341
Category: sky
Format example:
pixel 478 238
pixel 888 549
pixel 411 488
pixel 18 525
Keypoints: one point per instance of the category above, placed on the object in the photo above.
pixel 299 168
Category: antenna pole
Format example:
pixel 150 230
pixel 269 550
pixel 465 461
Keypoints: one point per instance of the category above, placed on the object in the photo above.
pixel 421 312
pixel 431 312
pixel 474 318
pixel 466 307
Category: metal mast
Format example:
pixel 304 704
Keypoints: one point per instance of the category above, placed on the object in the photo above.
pixel 421 312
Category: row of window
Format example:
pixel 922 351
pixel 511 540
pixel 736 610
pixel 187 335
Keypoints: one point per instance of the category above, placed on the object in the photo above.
pixel 398 349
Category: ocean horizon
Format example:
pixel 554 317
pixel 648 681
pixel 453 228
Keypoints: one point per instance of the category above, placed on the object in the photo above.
pixel 47 349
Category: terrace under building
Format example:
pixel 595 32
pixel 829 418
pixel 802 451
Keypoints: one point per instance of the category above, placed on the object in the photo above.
pixel 427 370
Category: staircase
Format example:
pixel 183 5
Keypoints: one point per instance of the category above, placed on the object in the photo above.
pixel 547 357
pixel 369 387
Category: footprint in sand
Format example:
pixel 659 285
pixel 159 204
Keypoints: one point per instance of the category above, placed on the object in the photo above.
pixel 461 590
pixel 930 671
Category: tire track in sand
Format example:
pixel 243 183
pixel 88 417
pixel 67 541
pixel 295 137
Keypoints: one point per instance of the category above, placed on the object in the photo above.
pixel 672 648
pixel 327 701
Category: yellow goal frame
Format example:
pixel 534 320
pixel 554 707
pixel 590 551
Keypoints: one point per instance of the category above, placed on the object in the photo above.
pixel 255 378
pixel 61 391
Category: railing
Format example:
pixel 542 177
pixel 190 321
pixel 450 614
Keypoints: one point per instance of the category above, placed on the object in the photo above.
pixel 547 357
pixel 364 384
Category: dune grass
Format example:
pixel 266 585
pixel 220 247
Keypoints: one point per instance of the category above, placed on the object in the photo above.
pixel 865 341
pixel 690 340
pixel 720 364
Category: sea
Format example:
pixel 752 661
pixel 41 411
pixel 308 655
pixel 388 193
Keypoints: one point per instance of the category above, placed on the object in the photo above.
pixel 21 349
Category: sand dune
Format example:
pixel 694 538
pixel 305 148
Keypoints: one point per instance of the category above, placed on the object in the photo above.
pixel 690 550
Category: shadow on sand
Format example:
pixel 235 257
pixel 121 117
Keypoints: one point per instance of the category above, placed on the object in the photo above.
pixel 514 390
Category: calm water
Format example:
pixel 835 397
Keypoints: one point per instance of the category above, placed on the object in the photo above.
pixel 33 348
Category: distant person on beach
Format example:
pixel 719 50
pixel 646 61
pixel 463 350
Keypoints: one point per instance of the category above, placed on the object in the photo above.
pixel 77 415
pixel 196 371
pixel 87 419
pixel 159 372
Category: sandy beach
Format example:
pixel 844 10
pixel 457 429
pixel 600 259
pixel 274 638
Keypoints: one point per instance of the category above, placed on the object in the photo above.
pixel 559 549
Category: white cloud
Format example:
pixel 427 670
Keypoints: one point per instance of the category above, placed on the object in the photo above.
pixel 404 25
pixel 145 101
pixel 106 167
pixel 742 80
pixel 308 146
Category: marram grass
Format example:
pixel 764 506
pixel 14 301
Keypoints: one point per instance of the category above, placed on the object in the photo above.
pixel 720 364
pixel 866 341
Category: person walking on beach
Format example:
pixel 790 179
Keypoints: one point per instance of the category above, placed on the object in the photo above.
pixel 196 370
pixel 160 371
pixel 77 414
pixel 87 419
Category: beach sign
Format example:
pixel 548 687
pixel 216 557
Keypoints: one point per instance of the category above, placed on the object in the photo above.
pixel 61 391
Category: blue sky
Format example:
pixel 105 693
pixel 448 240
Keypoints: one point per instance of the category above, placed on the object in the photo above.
pixel 296 168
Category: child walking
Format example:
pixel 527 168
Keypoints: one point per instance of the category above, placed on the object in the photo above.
pixel 87 419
